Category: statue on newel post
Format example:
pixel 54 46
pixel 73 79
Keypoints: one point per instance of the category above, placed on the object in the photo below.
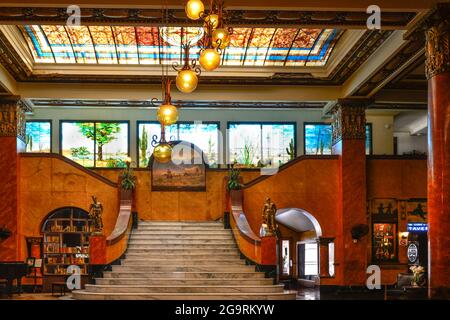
pixel 95 213
pixel 269 227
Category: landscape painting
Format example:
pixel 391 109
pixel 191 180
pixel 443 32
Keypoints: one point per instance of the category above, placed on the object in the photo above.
pixel 185 172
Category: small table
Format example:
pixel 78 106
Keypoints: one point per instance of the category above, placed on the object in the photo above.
pixel 62 288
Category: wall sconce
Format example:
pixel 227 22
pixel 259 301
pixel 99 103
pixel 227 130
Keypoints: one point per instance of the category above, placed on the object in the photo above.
pixel 358 231
pixel 403 238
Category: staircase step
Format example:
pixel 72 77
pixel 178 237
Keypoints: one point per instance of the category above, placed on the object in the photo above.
pixel 171 250
pixel 177 268
pixel 182 262
pixel 208 232
pixel 180 223
pixel 180 228
pixel 184 275
pixel 181 237
pixel 181 256
pixel 84 295
pixel 182 241
pixel 184 289
pixel 172 281
pixel 168 246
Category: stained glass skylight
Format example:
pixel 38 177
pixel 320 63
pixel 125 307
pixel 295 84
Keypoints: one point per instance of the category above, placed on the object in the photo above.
pixel 156 45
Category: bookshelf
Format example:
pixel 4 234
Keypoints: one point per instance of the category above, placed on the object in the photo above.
pixel 66 241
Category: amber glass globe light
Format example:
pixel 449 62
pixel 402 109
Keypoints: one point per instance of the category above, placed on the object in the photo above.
pixel 167 114
pixel 194 8
pixel 162 152
pixel 212 19
pixel 187 81
pixel 209 59
pixel 222 37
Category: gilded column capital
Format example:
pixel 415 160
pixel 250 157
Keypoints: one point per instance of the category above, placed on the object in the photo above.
pixel 437 48
pixel 349 119
pixel 12 117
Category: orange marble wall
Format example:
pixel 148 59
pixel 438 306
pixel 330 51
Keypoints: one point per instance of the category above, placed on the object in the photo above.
pixel 175 206
pixel 9 197
pixel 50 183
pixel 400 179
pixel 396 178
pixel 311 185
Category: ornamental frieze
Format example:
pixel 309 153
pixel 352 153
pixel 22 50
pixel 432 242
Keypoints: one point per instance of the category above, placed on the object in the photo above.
pixel 438 49
pixel 12 120
pixel 349 122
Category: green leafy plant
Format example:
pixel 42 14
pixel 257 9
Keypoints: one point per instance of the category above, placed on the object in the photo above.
pixel 247 155
pixel 127 179
pixel 143 146
pixel 291 151
pixel 80 153
pixel 29 142
pixel 234 178
pixel 102 133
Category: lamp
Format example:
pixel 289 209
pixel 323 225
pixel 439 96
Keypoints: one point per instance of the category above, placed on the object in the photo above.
pixel 187 77
pixel 163 152
pixel 209 59
pixel 167 113
pixel 194 9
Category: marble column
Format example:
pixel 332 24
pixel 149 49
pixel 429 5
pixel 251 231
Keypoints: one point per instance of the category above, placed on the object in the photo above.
pixel 349 132
pixel 438 74
pixel 12 137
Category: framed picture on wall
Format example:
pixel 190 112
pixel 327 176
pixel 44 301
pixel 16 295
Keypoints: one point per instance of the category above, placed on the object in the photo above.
pixel 30 262
pixel 416 210
pixel 384 208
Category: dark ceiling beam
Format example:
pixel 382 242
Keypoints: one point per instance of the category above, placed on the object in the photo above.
pixel 177 17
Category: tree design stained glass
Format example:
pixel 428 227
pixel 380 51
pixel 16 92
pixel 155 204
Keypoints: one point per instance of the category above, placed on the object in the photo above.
pixel 155 45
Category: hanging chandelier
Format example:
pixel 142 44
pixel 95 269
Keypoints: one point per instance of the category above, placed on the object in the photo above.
pixel 216 38
pixel 167 113
pixel 187 77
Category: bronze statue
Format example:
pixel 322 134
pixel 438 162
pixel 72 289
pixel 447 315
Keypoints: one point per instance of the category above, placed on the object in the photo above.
pixel 95 213
pixel 268 216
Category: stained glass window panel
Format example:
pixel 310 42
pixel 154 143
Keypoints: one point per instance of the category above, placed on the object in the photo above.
pixel 317 139
pixel 279 48
pixel 40 48
pixel 111 141
pixel 258 46
pixel 38 136
pixel 245 144
pixel 148 44
pixel 235 52
pixel 60 44
pixel 127 49
pixel 82 44
pixel 368 138
pixel 204 136
pixel 77 142
pixel 276 139
pixel 303 46
pixel 104 43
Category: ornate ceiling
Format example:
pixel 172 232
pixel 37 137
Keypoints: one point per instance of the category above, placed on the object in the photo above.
pixel 283 47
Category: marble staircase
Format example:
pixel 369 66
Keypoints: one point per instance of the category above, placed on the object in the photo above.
pixel 183 261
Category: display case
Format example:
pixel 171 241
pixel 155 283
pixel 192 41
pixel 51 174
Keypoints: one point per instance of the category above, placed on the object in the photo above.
pixel 384 242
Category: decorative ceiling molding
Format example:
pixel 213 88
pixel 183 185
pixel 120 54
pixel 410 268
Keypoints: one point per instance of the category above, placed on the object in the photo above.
pixel 177 17
pixel 76 103
pixel 397 106
pixel 360 52
pixel 407 56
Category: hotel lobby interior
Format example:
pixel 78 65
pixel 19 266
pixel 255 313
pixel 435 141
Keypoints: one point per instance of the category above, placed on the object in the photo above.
pixel 210 150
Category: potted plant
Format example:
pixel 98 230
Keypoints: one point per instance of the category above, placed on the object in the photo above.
pixel 5 233
pixel 127 182
pixel 418 280
pixel 234 185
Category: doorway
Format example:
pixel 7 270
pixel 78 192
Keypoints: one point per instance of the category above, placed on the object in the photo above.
pixel 308 261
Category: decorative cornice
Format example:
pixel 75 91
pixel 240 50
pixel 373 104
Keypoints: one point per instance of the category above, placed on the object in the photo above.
pixel 235 18
pixel 180 103
pixel 349 119
pixel 438 48
pixel 359 53
pixel 390 67
pixel 12 117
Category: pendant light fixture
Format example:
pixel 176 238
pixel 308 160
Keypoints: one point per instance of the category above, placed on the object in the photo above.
pixel 209 55
pixel 194 8
pixel 187 77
